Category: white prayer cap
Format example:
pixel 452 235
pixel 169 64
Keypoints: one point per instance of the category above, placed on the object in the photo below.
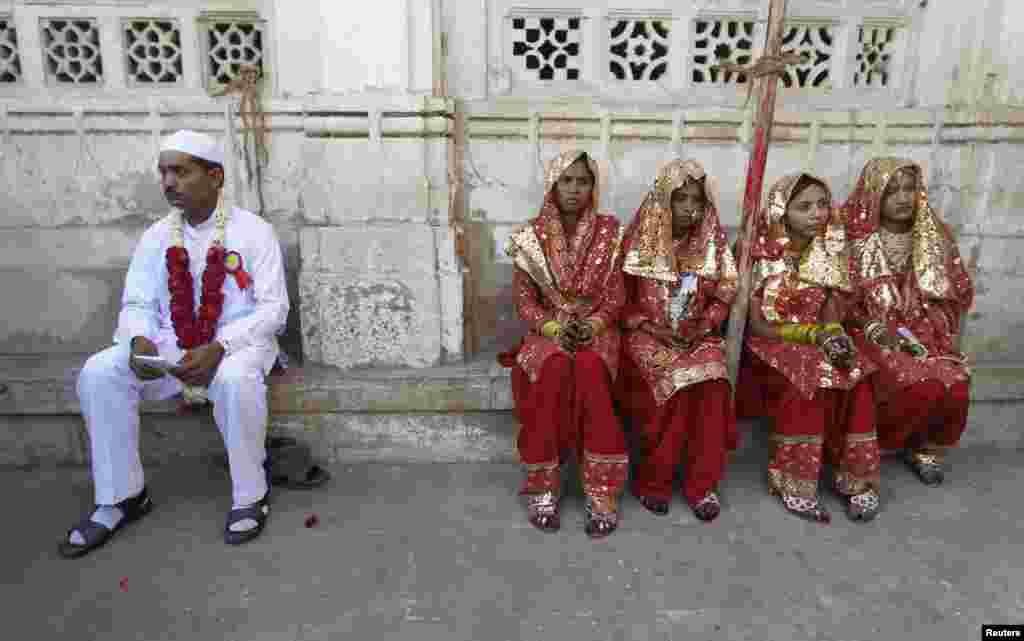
pixel 195 144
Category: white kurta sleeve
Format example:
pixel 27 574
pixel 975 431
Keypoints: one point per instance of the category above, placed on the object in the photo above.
pixel 271 294
pixel 140 303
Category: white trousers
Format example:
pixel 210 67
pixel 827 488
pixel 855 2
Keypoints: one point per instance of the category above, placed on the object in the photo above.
pixel 109 393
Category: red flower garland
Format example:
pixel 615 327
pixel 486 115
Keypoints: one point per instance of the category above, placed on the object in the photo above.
pixel 192 330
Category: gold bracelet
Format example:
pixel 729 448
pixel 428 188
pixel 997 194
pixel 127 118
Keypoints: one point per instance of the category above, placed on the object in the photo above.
pixel 833 328
pixel 551 329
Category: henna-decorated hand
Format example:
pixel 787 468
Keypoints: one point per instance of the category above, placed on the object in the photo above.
pixel 839 351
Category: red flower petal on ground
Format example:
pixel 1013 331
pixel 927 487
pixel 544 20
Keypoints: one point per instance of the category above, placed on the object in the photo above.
pixel 123 583
pixel 312 520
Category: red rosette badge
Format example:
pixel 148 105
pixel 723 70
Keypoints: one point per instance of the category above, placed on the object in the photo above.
pixel 234 266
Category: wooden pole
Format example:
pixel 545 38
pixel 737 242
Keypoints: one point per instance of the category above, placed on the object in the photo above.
pixel 768 86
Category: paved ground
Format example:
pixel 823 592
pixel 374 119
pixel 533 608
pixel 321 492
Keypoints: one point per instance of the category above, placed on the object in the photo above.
pixel 434 551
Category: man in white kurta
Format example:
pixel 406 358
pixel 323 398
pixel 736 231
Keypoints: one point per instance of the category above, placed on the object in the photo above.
pixel 110 389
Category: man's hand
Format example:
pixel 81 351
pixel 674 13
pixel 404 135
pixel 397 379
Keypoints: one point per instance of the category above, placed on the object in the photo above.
pixel 199 365
pixel 142 346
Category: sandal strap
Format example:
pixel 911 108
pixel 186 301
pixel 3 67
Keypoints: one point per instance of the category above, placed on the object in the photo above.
pixel 135 506
pixel 258 512
pixel 710 497
pixel 91 531
pixel 545 503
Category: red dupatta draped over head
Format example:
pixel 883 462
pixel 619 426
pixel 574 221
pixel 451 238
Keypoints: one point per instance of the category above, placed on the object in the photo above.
pixel 824 263
pixel 576 269
pixel 650 252
pixel 936 270
pixel 793 288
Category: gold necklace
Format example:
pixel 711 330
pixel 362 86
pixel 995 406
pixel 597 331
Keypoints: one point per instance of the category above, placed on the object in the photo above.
pixel 898 247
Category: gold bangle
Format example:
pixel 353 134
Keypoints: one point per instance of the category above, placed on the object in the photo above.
pixel 833 328
pixel 551 329
pixel 797 333
pixel 813 331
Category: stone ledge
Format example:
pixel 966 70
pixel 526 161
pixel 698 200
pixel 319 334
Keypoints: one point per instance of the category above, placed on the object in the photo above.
pixel 457 413
pixel 46 385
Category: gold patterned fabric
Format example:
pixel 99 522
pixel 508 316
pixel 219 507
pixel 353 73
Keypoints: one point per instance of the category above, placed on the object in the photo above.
pixel 654 262
pixel 559 278
pixel 926 293
pixel 791 286
pixel 604 475
pixel 650 252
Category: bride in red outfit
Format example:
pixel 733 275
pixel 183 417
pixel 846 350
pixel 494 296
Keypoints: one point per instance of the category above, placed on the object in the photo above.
pixel 680 281
pixel 569 289
pixel 801 362
pixel 915 290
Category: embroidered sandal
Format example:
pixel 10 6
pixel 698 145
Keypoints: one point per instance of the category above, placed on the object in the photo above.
pixel 806 508
pixel 863 506
pixel 96 535
pixel 602 517
pixel 708 508
pixel 542 511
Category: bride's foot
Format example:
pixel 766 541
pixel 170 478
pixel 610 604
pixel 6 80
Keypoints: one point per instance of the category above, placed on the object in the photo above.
pixel 927 467
pixel 542 511
pixel 708 508
pixel 654 504
pixel 602 516
pixel 806 508
pixel 863 506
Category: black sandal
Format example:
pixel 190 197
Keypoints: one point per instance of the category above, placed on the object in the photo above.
pixel 655 505
pixel 927 467
pixel 257 512
pixel 96 534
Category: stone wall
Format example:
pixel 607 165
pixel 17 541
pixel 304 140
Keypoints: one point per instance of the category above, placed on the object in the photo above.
pixel 363 205
pixel 405 144
pixel 952 99
pixel 356 183
pixel 971 161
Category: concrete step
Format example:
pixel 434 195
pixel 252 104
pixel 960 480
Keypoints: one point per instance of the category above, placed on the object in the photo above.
pixel 457 413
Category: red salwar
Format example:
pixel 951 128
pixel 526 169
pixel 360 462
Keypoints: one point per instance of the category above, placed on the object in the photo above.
pixel 697 420
pixel 569 409
pixel 837 426
pixel 927 412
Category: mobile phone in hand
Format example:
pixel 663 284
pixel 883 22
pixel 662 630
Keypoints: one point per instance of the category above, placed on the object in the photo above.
pixel 155 362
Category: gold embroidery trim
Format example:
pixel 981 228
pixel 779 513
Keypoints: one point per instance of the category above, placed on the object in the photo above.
pixel 788 485
pixel 796 439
